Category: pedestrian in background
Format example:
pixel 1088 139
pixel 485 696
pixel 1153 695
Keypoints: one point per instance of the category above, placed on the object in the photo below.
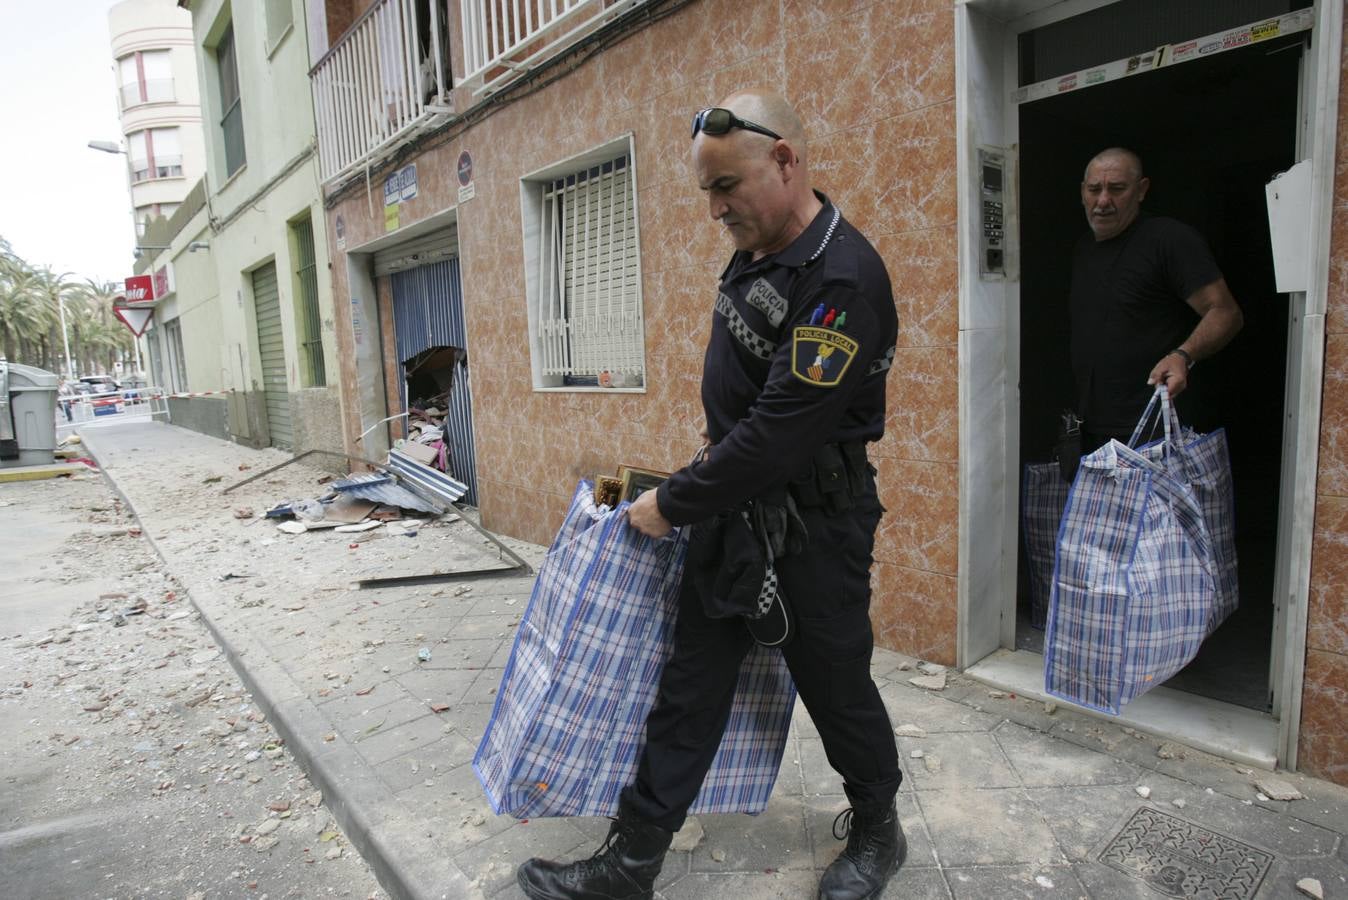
pixel 803 334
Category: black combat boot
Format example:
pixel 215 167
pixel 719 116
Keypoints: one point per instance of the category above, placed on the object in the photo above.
pixel 875 849
pixel 624 868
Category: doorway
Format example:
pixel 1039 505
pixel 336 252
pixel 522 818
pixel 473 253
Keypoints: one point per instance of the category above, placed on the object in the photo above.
pixel 428 314
pixel 1211 135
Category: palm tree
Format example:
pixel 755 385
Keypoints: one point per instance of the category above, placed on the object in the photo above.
pixel 100 336
pixel 24 319
pixel 49 290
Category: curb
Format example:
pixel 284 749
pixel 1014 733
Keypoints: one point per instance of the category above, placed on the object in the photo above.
pixel 406 863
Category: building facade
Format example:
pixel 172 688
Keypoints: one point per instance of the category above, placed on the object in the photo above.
pixel 534 208
pixel 156 79
pixel 244 318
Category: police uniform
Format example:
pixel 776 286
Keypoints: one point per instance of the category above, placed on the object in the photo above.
pixel 793 387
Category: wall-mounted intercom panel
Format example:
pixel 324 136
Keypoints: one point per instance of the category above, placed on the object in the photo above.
pixel 992 194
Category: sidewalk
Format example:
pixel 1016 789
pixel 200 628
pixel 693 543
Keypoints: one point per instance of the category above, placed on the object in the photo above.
pixel 1001 798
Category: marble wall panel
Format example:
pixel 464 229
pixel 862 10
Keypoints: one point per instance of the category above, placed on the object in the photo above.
pixel 910 179
pixel 920 528
pixel 914 611
pixel 1327 626
pixel 1323 745
pixel 830 74
pixel 840 167
pixel 804 16
pixel 924 271
pixel 923 400
pixel 767 69
pixel 1333 475
pixel 1336 307
pixel 664 150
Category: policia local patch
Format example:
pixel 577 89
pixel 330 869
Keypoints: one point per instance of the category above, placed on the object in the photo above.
pixel 820 356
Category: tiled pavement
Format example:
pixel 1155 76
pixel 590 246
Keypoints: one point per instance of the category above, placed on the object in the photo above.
pixel 1002 798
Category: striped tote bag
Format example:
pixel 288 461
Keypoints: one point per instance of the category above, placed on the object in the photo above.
pixel 569 721
pixel 1139 577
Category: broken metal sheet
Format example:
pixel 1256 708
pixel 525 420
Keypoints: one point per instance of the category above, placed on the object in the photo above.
pixel 360 479
pixel 430 482
pixel 377 487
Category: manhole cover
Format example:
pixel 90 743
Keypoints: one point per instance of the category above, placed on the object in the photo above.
pixel 1181 859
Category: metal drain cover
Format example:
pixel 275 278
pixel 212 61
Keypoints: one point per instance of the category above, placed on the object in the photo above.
pixel 1181 859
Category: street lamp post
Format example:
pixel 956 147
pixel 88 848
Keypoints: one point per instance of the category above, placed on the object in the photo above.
pixel 65 339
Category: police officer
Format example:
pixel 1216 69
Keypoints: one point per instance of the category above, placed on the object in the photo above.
pixel 803 333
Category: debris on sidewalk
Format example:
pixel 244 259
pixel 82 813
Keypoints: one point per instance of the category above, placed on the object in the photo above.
pixel 1276 789
pixel 1311 887
pixel 929 682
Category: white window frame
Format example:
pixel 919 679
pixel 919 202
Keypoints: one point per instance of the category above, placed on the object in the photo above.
pixel 280 19
pixel 580 331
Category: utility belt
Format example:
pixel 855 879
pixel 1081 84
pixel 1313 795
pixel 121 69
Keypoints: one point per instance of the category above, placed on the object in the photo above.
pixel 837 476
pixel 731 556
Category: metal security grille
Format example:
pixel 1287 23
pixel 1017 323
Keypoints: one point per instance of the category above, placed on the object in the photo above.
pixel 428 312
pixel 311 323
pixel 589 316
pixel 272 354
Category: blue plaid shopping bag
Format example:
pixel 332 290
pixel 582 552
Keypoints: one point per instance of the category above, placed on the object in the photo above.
pixel 1139 580
pixel 570 715
pixel 1043 497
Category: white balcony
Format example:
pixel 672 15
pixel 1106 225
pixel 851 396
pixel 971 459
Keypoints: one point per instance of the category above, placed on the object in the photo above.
pixel 385 79
pixel 503 39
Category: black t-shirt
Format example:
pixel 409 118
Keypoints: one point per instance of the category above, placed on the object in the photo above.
pixel 1128 310
pixel 782 377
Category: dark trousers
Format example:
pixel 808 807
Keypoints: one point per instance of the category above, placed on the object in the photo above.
pixel 828 589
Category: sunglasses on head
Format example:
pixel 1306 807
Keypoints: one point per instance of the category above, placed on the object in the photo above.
pixel 714 120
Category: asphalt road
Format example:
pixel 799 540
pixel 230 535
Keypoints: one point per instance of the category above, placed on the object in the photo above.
pixel 132 761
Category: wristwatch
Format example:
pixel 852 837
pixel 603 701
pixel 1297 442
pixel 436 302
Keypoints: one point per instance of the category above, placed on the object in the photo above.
pixel 1184 355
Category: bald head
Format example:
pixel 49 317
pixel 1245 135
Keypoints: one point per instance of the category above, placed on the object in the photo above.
pixel 1120 156
pixel 770 110
pixel 757 187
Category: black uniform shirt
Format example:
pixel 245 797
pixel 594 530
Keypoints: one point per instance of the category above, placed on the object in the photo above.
pixel 1128 310
pixel 776 387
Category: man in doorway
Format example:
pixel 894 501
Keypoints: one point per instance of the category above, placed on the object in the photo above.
pixel 1148 303
pixel 803 334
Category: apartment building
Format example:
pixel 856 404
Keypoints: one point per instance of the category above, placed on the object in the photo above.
pixel 459 143
pixel 245 319
pixel 156 81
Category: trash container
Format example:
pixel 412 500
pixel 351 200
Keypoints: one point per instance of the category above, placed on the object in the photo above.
pixel 27 415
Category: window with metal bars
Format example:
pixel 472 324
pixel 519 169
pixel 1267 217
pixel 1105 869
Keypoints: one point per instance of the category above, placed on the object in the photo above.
pixel 586 287
pixel 308 318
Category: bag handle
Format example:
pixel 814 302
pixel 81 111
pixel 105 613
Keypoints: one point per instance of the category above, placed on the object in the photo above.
pixel 1169 418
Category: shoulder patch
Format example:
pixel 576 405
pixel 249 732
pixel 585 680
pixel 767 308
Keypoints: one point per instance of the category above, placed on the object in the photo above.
pixel 820 356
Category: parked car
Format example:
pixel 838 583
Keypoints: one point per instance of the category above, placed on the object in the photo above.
pixel 100 384
pixel 131 387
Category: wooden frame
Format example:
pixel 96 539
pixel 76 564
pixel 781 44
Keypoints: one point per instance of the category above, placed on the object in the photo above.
pixel 637 481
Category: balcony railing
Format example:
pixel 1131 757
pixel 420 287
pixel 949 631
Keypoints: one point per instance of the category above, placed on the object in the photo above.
pixel 386 77
pixel 154 90
pixel 502 39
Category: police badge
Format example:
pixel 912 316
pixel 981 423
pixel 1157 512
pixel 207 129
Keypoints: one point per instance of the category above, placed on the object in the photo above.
pixel 820 356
